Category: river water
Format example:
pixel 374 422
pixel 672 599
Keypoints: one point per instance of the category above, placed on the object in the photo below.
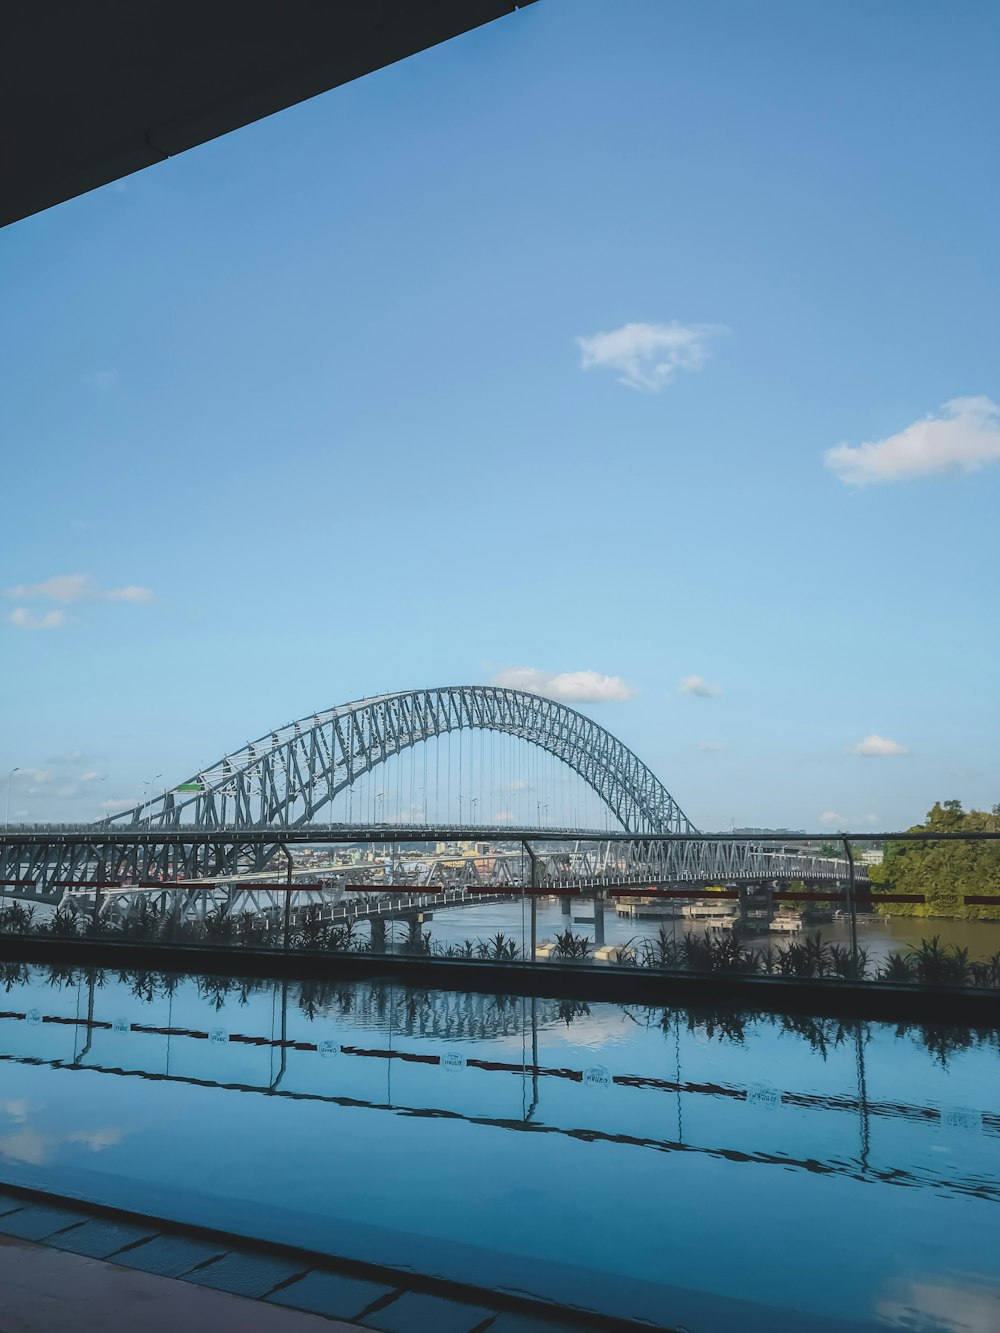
pixel 878 934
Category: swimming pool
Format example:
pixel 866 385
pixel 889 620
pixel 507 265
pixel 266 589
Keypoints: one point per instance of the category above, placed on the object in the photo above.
pixel 711 1170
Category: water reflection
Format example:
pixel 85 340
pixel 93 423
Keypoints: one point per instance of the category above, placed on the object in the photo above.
pixel 519 1122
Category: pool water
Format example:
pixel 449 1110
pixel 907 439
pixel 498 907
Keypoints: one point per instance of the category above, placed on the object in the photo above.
pixel 687 1168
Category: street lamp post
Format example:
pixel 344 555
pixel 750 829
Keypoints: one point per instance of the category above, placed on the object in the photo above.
pixel 148 786
pixel 10 776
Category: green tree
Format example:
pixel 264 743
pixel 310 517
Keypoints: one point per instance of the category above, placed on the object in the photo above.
pixel 945 871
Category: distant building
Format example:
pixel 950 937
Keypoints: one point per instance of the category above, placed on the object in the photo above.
pixel 760 832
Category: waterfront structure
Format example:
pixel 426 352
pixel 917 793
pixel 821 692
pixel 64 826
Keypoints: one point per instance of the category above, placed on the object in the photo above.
pixel 240 816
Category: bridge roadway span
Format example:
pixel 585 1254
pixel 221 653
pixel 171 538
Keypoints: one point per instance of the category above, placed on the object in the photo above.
pixel 243 813
pixel 53 863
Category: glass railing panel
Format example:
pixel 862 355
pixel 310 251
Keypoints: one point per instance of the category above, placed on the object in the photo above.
pixel 922 910
pixel 937 902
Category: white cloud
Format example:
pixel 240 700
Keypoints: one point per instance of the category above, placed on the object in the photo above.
pixel 569 686
pixel 36 776
pixel 648 356
pixel 940 1303
pixel 699 686
pixel 410 814
pixel 710 747
pixel 963 438
pixel 131 593
pixel 38 1147
pixel 519 784
pixel 878 745
pixel 79 588
pixel 502 817
pixel 92 775
pixel 22 618
pixel 833 819
pixel 62 588
pixel 104 380
pixel 120 802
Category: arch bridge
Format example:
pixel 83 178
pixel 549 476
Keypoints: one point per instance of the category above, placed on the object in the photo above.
pixel 232 817
pixel 288 776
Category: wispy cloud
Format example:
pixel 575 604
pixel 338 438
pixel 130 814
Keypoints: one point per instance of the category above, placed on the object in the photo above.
pixel 119 803
pixel 963 438
pixel 648 356
pixel 102 380
pixel 939 1302
pixel 61 588
pixel 569 686
pixel 699 686
pixel 68 588
pixel 92 775
pixel 37 1146
pixel 131 593
pixel 22 618
pixel 711 747
pixel 410 814
pixel 875 745
pixel 830 819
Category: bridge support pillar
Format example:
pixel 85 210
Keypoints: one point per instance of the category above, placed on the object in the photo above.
pixel 414 938
pixel 598 920
pixel 378 934
pixel 566 906
pixel 756 908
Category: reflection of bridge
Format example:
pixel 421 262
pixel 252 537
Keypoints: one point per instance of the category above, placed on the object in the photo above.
pixel 413 1016
pixel 237 815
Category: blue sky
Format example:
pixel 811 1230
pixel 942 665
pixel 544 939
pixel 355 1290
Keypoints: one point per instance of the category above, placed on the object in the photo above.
pixel 528 353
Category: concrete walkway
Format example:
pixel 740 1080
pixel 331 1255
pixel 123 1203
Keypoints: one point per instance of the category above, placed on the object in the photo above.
pixel 43 1290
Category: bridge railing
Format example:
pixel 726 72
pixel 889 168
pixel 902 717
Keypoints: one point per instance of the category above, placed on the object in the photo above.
pixel 905 909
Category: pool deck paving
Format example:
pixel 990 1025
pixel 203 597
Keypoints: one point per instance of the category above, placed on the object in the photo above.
pixel 46 1290
pixel 63 1267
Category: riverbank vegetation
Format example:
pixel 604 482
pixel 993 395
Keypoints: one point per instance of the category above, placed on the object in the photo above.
pixel 930 963
pixel 946 871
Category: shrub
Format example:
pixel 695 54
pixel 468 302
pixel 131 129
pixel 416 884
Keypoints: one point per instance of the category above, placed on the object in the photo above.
pixel 663 950
pixel 498 949
pixel 934 963
pixel 16 919
pixel 568 945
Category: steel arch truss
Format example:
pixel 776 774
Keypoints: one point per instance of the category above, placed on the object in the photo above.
pixel 284 778
pixel 686 862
